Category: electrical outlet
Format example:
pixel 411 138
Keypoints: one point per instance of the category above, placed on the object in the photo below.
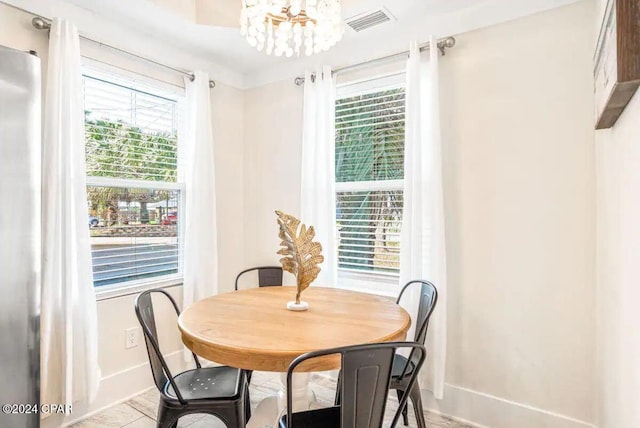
pixel 132 337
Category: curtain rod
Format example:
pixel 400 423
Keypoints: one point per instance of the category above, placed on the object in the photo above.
pixel 447 42
pixel 41 23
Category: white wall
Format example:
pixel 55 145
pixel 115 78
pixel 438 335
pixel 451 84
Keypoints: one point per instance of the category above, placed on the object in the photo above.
pixel 520 195
pixel 618 175
pixel 601 6
pixel 618 172
pixel 16 32
pixel 618 243
pixel 227 106
pixel 520 203
pixel 273 136
pixel 125 372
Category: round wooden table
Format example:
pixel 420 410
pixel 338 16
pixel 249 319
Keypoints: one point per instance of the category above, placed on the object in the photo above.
pixel 253 330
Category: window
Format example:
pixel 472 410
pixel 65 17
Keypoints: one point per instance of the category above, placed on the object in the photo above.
pixel 369 178
pixel 134 197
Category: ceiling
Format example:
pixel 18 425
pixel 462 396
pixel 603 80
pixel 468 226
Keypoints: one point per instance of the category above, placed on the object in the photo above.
pixel 208 29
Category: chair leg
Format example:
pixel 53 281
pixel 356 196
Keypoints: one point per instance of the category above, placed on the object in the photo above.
pixel 247 405
pixel 338 400
pixel 166 418
pixel 416 399
pixel 234 418
pixel 405 409
pixel 240 414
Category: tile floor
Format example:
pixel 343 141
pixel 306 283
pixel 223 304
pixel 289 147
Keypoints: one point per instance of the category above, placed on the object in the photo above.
pixel 140 412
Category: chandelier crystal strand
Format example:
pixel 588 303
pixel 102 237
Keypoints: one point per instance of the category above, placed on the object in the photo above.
pixel 285 27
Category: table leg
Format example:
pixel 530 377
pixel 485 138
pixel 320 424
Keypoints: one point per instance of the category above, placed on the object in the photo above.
pixel 269 410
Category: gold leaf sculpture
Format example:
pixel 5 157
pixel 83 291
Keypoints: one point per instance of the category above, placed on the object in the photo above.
pixel 301 254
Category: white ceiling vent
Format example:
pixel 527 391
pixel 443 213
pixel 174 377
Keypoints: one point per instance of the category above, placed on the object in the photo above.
pixel 369 19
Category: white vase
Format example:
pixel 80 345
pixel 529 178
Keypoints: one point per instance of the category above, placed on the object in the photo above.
pixel 298 307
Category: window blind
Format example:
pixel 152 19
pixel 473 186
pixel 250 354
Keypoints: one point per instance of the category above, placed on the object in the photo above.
pixel 129 133
pixel 369 174
pixel 136 236
pixel 133 195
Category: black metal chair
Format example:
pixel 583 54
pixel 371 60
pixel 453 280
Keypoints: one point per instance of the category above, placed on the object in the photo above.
pixel 268 276
pixel 218 391
pixel 405 369
pixel 365 380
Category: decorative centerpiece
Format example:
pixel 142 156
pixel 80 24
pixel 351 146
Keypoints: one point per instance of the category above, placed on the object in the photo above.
pixel 301 255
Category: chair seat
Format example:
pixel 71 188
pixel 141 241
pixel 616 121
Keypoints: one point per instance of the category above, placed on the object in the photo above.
pixel 399 362
pixel 319 418
pixel 206 383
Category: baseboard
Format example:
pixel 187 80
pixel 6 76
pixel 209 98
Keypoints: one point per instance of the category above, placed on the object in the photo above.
pixel 482 410
pixel 115 389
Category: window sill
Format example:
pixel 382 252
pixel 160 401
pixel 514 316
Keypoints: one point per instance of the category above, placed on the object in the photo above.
pixel 135 287
pixel 370 283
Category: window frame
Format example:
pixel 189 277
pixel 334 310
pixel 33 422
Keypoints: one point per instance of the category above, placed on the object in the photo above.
pixel 380 283
pixel 94 69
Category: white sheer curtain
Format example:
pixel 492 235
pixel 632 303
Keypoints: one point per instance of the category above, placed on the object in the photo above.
pixel 318 190
pixel 197 170
pixel 69 336
pixel 422 254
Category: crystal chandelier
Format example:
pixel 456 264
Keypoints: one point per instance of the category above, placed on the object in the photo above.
pixel 284 26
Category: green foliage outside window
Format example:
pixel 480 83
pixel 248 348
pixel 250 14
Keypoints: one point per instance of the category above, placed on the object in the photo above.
pixel 120 150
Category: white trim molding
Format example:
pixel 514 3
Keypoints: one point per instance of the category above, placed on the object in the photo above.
pixel 482 410
pixel 106 292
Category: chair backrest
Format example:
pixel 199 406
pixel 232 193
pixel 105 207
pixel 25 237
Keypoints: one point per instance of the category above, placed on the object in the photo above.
pixel 427 303
pixel 268 276
pixel 365 379
pixel 146 317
